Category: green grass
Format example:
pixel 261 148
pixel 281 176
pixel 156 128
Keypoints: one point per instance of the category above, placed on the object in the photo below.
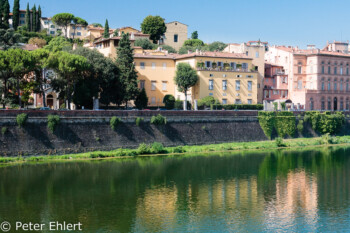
pixel 149 150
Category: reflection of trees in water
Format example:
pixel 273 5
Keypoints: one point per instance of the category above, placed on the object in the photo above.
pixel 153 194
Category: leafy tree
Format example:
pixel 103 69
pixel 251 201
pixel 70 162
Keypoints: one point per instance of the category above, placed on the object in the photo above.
pixel 185 78
pixel 1 12
pixel 34 16
pixel 207 101
pixel 185 49
pixel 125 63
pixel 70 69
pixel 96 25
pixel 106 32
pixel 38 17
pixel 194 43
pixel 116 32
pixel 5 75
pixel 9 39
pixel 63 20
pixel 41 57
pixel 15 14
pixel 169 101
pixel 194 35
pixel 155 26
pixel 217 46
pixel 79 21
pixel 6 15
pixel 145 43
pixel 169 49
pixel 28 24
pixel 58 43
pixel 141 99
pixel 37 41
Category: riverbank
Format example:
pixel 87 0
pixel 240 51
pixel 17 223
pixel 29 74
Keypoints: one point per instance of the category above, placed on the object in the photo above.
pixel 157 149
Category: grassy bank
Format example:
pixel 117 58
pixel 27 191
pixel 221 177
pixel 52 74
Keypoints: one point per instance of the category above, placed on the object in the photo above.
pixel 157 148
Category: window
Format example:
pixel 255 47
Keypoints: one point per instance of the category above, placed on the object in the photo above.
pixel 238 85
pixel 322 67
pixel 299 69
pixel 211 84
pixel 21 15
pixel 78 28
pixel 341 70
pixel 211 75
pixel 250 84
pixel 52 32
pixel 335 70
pixel 329 68
pixel 300 84
pixel 347 69
pixel 153 65
pixel 322 85
pixel 341 104
pixel 224 85
pixel 142 84
pixel 329 103
pixel 78 33
pixel 335 84
pixel 219 64
pixel 341 85
pixel 238 101
pixel 224 101
pixel 250 101
pixel 311 104
pixel 153 100
pixel 244 66
pixel 164 85
pixel 164 66
pixel 257 54
pixel 239 76
pixel 176 38
pixel 153 85
pixel 21 22
pixel 329 84
pixel 52 26
pixel 323 107
pixel 233 65
pixel 142 65
pixel 207 64
pixel 347 85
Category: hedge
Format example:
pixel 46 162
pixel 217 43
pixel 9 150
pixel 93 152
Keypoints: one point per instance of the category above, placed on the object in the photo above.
pixel 237 107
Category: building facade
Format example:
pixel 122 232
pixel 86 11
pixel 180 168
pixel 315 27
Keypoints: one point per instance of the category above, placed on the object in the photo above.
pixel 175 36
pixel 275 83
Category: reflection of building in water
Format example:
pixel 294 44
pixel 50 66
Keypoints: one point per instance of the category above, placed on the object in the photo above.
pixel 296 195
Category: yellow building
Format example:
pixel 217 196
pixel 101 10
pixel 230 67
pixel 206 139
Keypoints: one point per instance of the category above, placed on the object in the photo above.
pixel 175 36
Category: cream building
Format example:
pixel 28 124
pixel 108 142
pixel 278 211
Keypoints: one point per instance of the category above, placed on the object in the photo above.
pixel 175 35
pixel 255 50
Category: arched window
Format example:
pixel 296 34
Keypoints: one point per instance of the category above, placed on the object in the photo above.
pixel 311 104
pixel 323 106
pixel 335 84
pixel 341 104
pixel 341 69
pixel 322 67
pixel 329 104
pixel 329 84
pixel 341 84
pixel 322 84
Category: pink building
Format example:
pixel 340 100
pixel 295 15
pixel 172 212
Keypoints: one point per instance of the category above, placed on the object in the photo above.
pixel 275 83
pixel 317 79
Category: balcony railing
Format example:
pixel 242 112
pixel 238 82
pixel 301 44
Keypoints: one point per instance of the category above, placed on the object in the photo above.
pixel 228 69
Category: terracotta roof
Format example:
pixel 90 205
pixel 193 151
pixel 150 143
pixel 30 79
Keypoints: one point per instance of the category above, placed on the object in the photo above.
pixel 296 51
pixel 176 22
pixel 214 54
pixel 171 56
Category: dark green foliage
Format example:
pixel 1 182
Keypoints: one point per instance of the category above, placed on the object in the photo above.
pixel 157 148
pixel 9 39
pixel 168 48
pixel 237 106
pixel 21 119
pixel 63 20
pixel 128 74
pixel 52 122
pixel 6 15
pixel 300 126
pixel 139 120
pixel 267 122
pixel 3 130
pixel 97 25
pixel 178 149
pixel 34 19
pixel 185 78
pixel 206 102
pixel 325 122
pixel 106 32
pixel 141 100
pixel 283 122
pixel 279 142
pixel 38 17
pixel 179 105
pixel 158 120
pixel 58 43
pixel 194 35
pixel 145 44
pixel 169 102
pixel 15 14
pixel 144 149
pixel 217 46
pixel 285 125
pixel 28 24
pixel 155 26
pixel 193 43
pixel 114 122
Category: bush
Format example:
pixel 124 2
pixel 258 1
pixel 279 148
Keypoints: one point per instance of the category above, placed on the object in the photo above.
pixel 138 121
pixel 114 122
pixel 207 102
pixel 300 126
pixel 279 142
pixel 285 125
pixel 157 148
pixel 21 119
pixel 144 149
pixel 52 122
pixel 169 101
pixel 158 120
pixel 267 122
pixel 178 149
pixel 179 105
pixel 3 130
pixel 325 122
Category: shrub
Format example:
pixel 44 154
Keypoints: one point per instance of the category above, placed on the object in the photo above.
pixel 138 121
pixel 300 126
pixel 157 148
pixel 3 130
pixel 114 122
pixel 267 122
pixel 158 120
pixel 143 149
pixel 179 149
pixel 207 102
pixel 169 101
pixel 52 122
pixel 275 106
pixel 325 122
pixel 21 119
pixel 279 142
pixel 179 105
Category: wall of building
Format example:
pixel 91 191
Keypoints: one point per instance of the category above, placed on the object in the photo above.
pixel 175 28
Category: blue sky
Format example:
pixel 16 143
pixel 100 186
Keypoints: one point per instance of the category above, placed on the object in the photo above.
pixel 282 22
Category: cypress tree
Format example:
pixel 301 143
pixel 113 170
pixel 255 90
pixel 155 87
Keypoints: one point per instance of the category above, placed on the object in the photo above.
pixel 125 63
pixel 15 14
pixel 34 18
pixel 106 32
pixel 38 17
pixel 1 10
pixel 6 15
pixel 29 26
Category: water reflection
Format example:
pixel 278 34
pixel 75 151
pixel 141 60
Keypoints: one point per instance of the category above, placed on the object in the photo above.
pixel 294 191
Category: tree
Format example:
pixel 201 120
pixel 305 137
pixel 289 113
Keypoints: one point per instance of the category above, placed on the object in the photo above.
pixel 207 101
pixel 6 15
pixel 194 35
pixel 34 16
pixel 41 57
pixel 106 32
pixel 169 102
pixel 79 21
pixel 193 43
pixel 116 32
pixel 125 63
pixel 38 17
pixel 15 14
pixel 63 20
pixel 144 43
pixel 217 46
pixel 70 69
pixel 9 39
pixel 96 25
pixel 185 78
pixel 58 43
pixel 37 41
pixel 28 24
pixel 141 100
pixel 169 48
pixel 1 12
pixel 155 26
pixel 5 75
